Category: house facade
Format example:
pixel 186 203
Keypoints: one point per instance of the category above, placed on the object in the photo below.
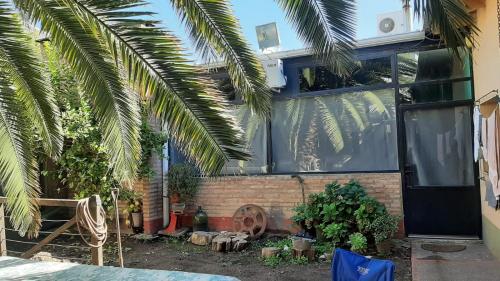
pixel 401 125
pixel 486 86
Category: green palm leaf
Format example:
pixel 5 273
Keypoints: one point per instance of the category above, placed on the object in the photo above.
pixel 374 102
pixel 353 113
pixel 115 107
pixel 22 64
pixel 216 31
pixel 330 124
pixel 450 18
pixel 180 94
pixel 328 26
pixel 18 167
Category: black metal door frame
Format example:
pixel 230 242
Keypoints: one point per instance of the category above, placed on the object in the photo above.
pixel 402 108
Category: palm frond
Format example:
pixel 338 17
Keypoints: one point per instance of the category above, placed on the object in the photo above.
pixel 295 109
pixel 18 167
pixel 328 26
pixel 115 107
pixel 330 124
pixel 180 93
pixel 22 63
pixel 374 102
pixel 353 113
pixel 215 30
pixel 450 18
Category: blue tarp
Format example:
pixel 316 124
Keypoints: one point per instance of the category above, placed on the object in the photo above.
pixel 348 266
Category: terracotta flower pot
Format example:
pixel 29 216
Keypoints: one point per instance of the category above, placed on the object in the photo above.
pixel 384 247
pixel 175 198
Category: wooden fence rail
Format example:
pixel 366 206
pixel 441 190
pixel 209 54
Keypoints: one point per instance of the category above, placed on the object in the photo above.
pixel 95 204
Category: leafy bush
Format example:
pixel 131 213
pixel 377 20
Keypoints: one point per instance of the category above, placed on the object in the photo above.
pixel 369 209
pixel 184 180
pixel 384 227
pixel 84 165
pixel 358 242
pixel 151 142
pixel 340 211
pixel 133 199
pixel 285 254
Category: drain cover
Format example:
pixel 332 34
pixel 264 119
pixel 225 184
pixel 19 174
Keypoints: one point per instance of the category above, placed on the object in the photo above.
pixel 446 248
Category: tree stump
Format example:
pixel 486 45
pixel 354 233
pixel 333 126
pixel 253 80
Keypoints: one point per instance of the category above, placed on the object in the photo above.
pixel 270 252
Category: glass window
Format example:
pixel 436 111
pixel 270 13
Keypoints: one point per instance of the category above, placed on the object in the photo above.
pixel 431 65
pixel 436 92
pixel 367 72
pixel 439 146
pixel 341 133
pixel 256 143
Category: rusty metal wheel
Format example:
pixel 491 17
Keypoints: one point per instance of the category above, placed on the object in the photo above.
pixel 250 219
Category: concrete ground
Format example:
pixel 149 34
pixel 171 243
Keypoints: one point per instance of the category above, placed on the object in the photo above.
pixel 475 263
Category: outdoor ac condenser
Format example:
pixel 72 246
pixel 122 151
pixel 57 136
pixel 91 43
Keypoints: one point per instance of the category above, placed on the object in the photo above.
pixel 274 73
pixel 393 23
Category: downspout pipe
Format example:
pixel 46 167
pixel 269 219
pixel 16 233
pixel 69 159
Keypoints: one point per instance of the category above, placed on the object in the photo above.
pixel 164 185
pixel 301 183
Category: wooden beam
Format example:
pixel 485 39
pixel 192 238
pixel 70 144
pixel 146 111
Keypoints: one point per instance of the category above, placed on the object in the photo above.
pixel 97 253
pixel 3 242
pixel 31 252
pixel 50 202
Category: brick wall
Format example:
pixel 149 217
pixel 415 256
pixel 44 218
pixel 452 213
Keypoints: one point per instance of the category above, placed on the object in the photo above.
pixel 278 194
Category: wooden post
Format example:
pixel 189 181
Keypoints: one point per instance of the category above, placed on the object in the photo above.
pixel 95 204
pixel 3 242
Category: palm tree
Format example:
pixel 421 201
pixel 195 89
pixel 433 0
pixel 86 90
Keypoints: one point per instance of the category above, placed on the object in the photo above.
pixel 115 51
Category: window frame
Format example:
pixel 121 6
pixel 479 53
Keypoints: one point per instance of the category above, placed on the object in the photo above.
pixel 292 91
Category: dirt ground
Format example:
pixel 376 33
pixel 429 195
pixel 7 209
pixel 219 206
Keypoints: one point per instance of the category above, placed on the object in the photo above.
pixel 178 254
pixel 172 254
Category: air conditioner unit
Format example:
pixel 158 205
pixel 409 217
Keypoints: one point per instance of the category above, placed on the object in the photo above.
pixel 274 73
pixel 393 23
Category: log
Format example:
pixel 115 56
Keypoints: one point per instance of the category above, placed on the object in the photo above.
pixel 270 252
pixel 309 254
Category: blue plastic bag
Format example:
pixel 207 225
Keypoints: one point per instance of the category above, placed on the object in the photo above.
pixel 348 266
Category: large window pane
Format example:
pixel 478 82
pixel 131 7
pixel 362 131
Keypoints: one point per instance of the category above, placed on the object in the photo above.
pixel 436 92
pixel 347 132
pixel 256 143
pixel 439 146
pixel 367 72
pixel 431 65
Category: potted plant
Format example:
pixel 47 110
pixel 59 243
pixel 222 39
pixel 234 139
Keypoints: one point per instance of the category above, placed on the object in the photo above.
pixel 134 208
pixel 183 183
pixel 383 229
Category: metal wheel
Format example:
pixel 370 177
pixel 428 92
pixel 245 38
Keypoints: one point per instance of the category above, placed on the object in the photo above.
pixel 250 219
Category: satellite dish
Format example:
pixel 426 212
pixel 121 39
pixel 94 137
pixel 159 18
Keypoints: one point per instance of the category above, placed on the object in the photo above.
pixel 387 25
pixel 267 35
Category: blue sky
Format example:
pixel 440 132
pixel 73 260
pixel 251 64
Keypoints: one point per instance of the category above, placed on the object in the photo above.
pixel 256 12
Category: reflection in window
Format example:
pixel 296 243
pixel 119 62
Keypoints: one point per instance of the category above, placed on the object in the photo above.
pixel 256 143
pixel 439 146
pixel 347 132
pixel 367 72
pixel 436 92
pixel 432 65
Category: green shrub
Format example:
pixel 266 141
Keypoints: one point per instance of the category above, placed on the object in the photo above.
pixel 384 227
pixel 184 180
pixel 339 211
pixel 369 209
pixel 358 242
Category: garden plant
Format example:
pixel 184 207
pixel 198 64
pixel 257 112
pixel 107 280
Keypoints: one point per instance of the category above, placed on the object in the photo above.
pixel 346 216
